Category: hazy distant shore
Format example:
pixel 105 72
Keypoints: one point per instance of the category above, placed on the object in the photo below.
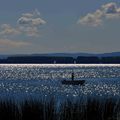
pixel 60 60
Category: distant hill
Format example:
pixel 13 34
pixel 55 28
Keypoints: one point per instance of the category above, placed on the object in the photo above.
pixel 80 54
pixel 113 54
pixel 62 58
pixel 74 55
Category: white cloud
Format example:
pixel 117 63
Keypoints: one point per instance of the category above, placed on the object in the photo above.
pixel 107 11
pixel 6 29
pixel 30 31
pixel 33 14
pixel 29 23
pixel 92 19
pixel 109 8
pixel 24 21
pixel 27 15
pixel 38 21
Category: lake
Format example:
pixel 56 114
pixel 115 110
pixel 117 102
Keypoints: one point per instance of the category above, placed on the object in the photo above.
pixel 21 81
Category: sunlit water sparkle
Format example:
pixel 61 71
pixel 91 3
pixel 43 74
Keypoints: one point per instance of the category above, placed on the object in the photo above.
pixel 44 80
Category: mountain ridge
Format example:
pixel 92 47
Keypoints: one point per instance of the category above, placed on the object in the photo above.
pixel 112 54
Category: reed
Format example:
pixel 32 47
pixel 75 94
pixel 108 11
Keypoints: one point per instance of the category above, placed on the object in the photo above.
pixel 48 110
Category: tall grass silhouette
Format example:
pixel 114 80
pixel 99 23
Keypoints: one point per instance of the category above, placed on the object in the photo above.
pixel 48 110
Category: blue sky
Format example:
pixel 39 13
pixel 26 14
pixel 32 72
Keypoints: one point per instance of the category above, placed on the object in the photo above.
pixel 47 26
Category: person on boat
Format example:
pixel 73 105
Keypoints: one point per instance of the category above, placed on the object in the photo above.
pixel 72 76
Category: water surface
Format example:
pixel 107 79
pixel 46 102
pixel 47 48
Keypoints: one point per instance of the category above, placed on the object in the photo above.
pixel 44 80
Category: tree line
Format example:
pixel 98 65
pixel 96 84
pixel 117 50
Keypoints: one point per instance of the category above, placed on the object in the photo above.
pixel 61 60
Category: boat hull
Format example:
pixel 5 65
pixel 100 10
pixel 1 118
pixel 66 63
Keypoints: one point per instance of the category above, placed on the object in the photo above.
pixel 74 82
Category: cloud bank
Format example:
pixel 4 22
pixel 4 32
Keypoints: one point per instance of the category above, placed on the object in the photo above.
pixel 7 29
pixel 28 24
pixel 107 11
pixel 10 43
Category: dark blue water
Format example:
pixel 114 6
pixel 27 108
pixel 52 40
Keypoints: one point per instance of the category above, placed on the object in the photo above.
pixel 44 81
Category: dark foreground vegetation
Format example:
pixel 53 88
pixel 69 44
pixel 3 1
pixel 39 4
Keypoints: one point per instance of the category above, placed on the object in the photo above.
pixel 41 110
